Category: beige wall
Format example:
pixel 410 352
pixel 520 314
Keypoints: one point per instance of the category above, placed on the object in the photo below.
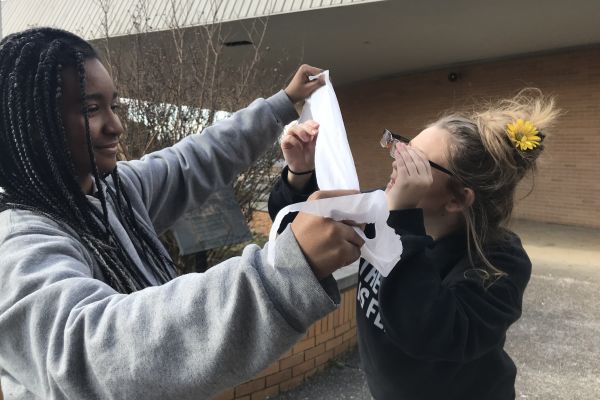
pixel 567 186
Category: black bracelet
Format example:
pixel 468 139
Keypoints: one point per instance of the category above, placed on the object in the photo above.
pixel 301 173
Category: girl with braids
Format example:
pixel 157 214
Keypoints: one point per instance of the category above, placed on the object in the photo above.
pixel 435 327
pixel 90 306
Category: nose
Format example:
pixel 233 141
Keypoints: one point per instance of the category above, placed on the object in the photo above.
pixel 113 125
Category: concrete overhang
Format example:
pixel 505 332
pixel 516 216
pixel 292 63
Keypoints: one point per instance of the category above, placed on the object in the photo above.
pixel 373 40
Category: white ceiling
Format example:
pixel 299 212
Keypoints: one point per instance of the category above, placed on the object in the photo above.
pixel 378 39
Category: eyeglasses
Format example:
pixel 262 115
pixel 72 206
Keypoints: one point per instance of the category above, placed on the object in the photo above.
pixel 389 140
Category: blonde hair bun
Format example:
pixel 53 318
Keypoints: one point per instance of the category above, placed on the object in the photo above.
pixel 529 106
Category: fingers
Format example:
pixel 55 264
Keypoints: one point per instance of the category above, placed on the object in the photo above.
pixel 400 165
pixel 305 131
pixel 324 194
pixel 298 144
pixel 410 180
pixel 301 86
pixel 311 125
pixel 351 253
pixel 423 163
pixel 326 244
pixel 413 159
pixel 351 236
pixel 314 84
pixel 309 70
pixel 290 142
pixel 420 161
pixel 349 249
pixel 403 152
pixel 301 134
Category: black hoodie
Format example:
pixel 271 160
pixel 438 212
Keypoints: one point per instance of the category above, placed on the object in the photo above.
pixel 433 328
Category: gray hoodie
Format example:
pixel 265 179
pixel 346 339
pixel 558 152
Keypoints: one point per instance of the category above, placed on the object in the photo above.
pixel 65 334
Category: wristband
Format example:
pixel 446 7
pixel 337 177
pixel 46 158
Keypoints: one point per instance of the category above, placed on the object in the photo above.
pixel 301 173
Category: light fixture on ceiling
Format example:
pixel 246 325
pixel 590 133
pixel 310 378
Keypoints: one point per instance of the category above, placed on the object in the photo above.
pixel 237 43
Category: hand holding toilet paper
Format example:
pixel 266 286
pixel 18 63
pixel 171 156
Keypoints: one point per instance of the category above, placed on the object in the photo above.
pixel 335 170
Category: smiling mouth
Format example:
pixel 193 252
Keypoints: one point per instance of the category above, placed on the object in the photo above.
pixel 108 148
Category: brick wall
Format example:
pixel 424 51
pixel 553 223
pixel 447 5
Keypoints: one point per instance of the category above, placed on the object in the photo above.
pixel 567 186
pixel 326 339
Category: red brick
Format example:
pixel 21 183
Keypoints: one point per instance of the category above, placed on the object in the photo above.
pixel 271 369
pixel 226 395
pixel 348 299
pixel 291 361
pixel 268 392
pixel 311 331
pixel 315 351
pixel 323 358
pixel 317 326
pixel 349 335
pixel 324 337
pixel 286 354
pixel 330 324
pixel 351 303
pixel 250 387
pixel 340 349
pixel 336 317
pixel 303 345
pixel 279 377
pixel 336 341
pixel 302 368
pixel 340 330
pixel 566 189
pixel 291 383
pixel 324 324
pixel 340 317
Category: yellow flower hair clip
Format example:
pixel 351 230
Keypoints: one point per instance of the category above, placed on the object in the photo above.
pixel 524 135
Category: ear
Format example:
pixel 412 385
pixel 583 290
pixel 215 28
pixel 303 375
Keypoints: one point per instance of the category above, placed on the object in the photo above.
pixel 459 204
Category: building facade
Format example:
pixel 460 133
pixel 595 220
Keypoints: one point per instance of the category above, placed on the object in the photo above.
pixel 390 62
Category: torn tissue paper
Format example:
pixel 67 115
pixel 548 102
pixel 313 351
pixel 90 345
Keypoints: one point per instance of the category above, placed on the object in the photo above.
pixel 335 170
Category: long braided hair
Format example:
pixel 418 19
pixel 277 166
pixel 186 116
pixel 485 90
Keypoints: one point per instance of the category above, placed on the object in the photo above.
pixel 36 167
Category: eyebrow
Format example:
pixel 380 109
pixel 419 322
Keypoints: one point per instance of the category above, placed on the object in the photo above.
pixel 99 96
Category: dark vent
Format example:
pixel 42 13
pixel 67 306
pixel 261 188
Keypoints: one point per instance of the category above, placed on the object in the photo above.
pixel 237 43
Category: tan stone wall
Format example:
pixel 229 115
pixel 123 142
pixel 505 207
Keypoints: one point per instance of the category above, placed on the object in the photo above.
pixel 326 339
pixel 567 187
